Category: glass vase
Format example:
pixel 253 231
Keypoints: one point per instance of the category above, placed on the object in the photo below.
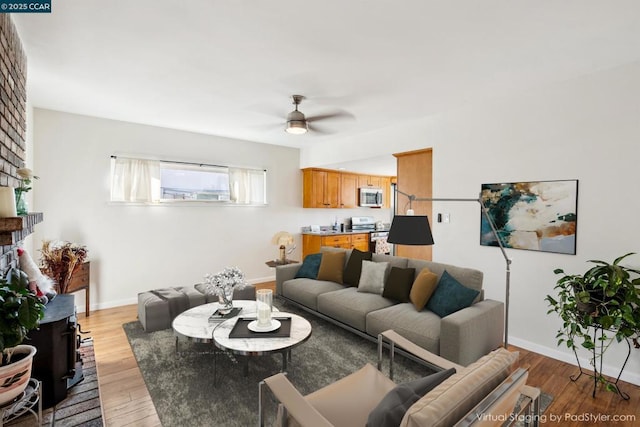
pixel 21 205
pixel 225 299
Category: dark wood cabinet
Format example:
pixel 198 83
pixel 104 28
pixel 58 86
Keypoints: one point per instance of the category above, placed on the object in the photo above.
pixel 80 279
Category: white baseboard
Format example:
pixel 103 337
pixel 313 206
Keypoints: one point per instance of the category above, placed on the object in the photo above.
pixel 554 353
pixel 134 300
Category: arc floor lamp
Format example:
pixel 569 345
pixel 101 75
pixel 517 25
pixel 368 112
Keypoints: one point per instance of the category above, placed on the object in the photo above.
pixel 415 230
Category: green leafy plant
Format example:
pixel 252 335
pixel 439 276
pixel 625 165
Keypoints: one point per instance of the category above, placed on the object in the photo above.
pixel 605 297
pixel 20 312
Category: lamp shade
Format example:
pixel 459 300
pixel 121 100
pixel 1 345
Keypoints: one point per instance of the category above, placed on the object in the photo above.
pixel 282 238
pixel 410 230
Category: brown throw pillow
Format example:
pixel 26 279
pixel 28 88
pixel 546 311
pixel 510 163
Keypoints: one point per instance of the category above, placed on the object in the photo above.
pixel 423 287
pixel 331 266
pixel 354 267
pixel 398 285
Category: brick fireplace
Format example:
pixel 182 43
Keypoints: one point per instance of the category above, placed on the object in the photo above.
pixel 13 124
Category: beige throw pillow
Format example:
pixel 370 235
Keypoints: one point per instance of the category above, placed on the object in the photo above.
pixel 331 266
pixel 372 277
pixel 422 288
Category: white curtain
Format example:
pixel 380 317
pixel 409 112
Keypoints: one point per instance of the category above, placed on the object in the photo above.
pixel 135 180
pixel 248 186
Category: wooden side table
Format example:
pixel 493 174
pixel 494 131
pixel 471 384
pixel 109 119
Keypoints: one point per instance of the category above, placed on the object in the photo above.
pixel 275 263
pixel 80 279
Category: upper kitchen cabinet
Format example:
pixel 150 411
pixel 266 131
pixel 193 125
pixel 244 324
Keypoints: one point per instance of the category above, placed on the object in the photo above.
pixel 325 188
pixel 348 190
pixel 321 188
pixel 369 181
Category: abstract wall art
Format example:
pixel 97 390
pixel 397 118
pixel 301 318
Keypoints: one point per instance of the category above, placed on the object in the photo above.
pixel 537 215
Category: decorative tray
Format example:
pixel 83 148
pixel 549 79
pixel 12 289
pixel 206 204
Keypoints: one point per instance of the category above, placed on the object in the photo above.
pixel 241 329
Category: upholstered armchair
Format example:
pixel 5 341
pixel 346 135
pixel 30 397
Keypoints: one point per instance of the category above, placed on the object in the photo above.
pixel 483 393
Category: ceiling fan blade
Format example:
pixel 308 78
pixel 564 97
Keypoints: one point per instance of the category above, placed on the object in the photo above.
pixel 318 130
pixel 334 115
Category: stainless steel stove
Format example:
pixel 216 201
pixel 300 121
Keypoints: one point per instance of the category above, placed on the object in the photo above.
pixel 377 238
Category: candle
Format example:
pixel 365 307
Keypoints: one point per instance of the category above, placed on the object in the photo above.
pixel 7 202
pixel 264 315
pixel 263 307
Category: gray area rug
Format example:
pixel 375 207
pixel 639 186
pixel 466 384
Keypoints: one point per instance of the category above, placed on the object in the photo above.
pixel 182 388
pixel 183 391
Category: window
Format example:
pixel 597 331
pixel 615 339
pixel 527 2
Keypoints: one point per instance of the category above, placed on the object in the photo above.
pixel 153 181
pixel 193 182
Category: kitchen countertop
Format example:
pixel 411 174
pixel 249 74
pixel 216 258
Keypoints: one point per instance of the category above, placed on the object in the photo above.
pixel 337 233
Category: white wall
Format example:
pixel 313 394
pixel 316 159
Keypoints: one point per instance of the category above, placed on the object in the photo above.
pixel 137 248
pixel 586 129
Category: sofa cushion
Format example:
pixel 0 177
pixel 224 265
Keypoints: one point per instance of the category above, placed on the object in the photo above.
pixel 310 267
pixel 421 327
pixel 306 291
pixel 398 284
pixel 349 400
pixel 350 306
pixel 469 277
pixel 450 296
pixel 394 261
pixel 452 399
pixel 372 277
pixel 353 269
pixel 395 404
pixel 331 266
pixel 423 288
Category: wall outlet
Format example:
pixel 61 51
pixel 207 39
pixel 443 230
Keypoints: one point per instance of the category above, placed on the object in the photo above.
pixel 445 218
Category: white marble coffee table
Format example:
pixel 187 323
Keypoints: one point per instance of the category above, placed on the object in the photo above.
pixel 299 333
pixel 194 324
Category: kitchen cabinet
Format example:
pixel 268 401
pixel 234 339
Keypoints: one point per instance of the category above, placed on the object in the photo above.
pixel 415 177
pixel 348 190
pixel 360 241
pixel 325 188
pixel 321 188
pixel 311 243
pixel 385 184
pixel 369 181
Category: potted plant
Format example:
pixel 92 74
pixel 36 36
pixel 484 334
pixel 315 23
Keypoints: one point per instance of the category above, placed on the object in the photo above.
pixel 606 299
pixel 20 311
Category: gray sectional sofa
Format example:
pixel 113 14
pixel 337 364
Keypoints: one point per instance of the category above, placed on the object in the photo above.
pixel 461 337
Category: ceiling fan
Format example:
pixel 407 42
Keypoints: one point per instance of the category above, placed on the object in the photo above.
pixel 298 124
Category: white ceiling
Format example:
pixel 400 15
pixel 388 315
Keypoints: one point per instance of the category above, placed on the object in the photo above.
pixel 228 67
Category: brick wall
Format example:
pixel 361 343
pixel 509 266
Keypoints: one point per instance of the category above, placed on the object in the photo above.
pixel 13 115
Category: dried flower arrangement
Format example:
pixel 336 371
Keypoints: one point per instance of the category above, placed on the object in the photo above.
pixel 59 259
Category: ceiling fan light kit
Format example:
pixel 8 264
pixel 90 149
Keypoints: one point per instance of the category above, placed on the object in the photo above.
pixel 296 127
pixel 296 122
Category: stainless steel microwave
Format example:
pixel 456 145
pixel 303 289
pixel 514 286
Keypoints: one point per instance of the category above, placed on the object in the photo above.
pixel 371 197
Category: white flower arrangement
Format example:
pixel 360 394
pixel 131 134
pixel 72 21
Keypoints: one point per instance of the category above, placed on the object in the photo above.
pixel 223 282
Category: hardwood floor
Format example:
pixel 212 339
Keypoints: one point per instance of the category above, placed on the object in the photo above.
pixel 126 402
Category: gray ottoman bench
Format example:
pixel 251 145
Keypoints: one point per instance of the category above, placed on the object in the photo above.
pixel 157 308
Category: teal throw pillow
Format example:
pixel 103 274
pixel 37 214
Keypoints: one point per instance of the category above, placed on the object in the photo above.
pixel 352 271
pixel 396 403
pixel 450 296
pixel 310 267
